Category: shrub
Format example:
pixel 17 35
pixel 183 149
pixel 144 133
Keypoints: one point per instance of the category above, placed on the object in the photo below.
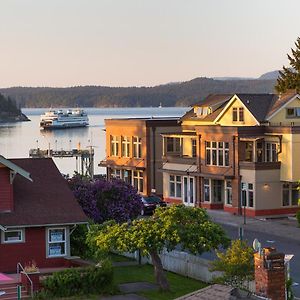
pixel 236 263
pixel 80 281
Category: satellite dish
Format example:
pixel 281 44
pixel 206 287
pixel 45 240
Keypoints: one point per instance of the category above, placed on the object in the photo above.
pixel 256 245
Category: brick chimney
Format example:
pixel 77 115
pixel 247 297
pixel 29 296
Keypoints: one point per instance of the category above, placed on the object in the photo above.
pixel 270 274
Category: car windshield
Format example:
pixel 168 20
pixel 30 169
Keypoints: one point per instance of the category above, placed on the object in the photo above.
pixel 151 199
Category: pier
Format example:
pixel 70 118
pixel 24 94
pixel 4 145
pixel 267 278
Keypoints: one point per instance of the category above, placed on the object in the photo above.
pixel 84 158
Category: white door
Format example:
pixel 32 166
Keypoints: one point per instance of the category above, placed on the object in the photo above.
pixel 188 191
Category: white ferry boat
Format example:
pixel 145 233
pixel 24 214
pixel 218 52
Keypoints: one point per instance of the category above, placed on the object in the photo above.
pixel 53 119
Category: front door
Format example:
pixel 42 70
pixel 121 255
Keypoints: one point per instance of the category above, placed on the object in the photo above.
pixel 188 191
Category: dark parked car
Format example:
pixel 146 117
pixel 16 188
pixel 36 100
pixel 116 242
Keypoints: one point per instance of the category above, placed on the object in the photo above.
pixel 150 203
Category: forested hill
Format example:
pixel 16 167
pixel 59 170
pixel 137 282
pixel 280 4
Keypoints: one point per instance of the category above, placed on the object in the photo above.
pixel 9 110
pixel 175 94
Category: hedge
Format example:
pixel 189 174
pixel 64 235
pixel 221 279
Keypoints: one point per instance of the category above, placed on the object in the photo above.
pixel 80 281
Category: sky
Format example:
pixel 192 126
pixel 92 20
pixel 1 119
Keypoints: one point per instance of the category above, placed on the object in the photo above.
pixel 63 43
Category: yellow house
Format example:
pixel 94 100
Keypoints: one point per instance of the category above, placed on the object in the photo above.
pixel 236 151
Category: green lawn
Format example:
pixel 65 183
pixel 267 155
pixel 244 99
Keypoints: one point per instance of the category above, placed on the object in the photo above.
pixel 119 258
pixel 179 285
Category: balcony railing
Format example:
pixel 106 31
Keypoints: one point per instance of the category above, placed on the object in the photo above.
pixel 179 158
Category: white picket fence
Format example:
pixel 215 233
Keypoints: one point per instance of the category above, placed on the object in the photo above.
pixel 183 263
pixel 187 265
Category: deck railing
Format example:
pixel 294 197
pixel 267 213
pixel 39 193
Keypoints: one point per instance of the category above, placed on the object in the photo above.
pixel 19 266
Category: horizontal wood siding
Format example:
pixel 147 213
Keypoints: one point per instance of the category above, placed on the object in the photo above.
pixel 34 248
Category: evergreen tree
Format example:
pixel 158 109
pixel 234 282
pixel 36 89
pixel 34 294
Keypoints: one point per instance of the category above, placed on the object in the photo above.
pixel 289 77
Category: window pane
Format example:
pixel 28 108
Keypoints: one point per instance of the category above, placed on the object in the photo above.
pixel 241 114
pixel 221 160
pixel 234 115
pixel 172 178
pixel 285 196
pixel 214 157
pixel 56 235
pixel 226 157
pixel 172 189
pixel 57 249
pixel 208 157
pixel 295 195
pixel 13 236
pixel 250 198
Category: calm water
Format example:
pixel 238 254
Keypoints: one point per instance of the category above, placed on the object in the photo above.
pixel 17 138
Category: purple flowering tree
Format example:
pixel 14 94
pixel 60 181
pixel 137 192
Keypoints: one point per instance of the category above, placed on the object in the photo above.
pixel 103 200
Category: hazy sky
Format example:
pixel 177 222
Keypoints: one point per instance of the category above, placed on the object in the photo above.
pixel 139 42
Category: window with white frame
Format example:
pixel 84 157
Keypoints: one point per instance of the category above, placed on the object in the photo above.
pixel 217 153
pixel 114 146
pixel 57 242
pixel 271 152
pixel 247 194
pixel 228 192
pixel 206 192
pixel 175 186
pixel 127 176
pixel 138 181
pixel 290 194
pixel 126 146
pixel 13 236
pixel 115 173
pixel 137 147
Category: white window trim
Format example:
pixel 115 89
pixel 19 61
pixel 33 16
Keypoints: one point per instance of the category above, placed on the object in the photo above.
pixel 227 188
pixel 209 188
pixel 13 242
pixel 175 186
pixel 140 180
pixel 247 195
pixel 126 146
pixel 137 147
pixel 48 242
pixel 217 149
pixel 115 149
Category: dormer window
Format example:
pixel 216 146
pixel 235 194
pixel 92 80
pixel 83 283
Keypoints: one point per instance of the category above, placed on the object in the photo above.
pixel 202 112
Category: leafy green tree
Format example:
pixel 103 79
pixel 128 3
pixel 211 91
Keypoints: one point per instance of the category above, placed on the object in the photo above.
pixel 171 227
pixel 237 264
pixel 289 77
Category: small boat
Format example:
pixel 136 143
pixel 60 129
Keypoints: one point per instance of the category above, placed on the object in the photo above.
pixel 160 106
pixel 53 119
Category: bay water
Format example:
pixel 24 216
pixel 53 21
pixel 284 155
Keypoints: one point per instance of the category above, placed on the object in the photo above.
pixel 16 139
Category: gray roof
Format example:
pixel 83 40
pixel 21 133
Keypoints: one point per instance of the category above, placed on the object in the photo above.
pixel 217 292
pixel 258 104
pixel 261 106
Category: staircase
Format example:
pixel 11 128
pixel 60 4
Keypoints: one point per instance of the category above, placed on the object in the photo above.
pixel 10 290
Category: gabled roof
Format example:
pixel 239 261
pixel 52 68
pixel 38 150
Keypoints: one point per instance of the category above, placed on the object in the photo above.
pixel 217 101
pixel 14 168
pixel 258 104
pixel 280 102
pixel 47 200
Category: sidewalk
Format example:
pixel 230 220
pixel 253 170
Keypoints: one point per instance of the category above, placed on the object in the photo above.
pixel 279 227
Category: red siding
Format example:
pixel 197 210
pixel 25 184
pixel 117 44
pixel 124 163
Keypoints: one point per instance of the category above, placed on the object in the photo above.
pixel 34 248
pixel 6 195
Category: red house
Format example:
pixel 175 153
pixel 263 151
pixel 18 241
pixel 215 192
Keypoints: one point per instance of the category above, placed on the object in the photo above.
pixel 37 214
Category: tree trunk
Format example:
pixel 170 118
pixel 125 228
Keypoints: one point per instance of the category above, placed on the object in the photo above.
pixel 159 273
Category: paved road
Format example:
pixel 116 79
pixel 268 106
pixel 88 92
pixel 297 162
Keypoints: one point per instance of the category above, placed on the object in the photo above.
pixel 282 244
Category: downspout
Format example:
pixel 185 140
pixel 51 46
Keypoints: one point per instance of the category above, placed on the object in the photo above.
pixel 153 159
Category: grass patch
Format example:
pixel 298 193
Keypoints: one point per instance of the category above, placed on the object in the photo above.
pixel 179 285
